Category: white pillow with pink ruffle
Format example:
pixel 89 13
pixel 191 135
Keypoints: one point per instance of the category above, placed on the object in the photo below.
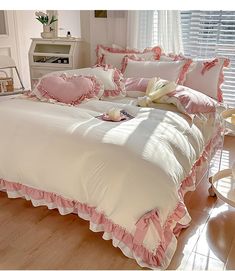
pixel 204 75
pixel 114 56
pixel 172 71
pixel 207 77
pixel 112 79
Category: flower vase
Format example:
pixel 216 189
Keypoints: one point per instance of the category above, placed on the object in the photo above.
pixel 47 33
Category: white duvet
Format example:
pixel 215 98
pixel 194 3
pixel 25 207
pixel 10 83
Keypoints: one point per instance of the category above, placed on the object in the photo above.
pixel 124 169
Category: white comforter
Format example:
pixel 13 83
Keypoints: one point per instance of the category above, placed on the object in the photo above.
pixel 123 169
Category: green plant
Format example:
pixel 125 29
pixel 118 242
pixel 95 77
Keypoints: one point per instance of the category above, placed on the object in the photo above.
pixel 44 18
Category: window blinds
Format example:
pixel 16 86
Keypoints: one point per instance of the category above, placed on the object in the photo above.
pixel 208 34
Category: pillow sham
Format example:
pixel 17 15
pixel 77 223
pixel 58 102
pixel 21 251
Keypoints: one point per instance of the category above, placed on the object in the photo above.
pixel 111 78
pixel 114 56
pixel 189 101
pixel 68 90
pixel 136 87
pixel 207 77
pixel 204 75
pixel 172 71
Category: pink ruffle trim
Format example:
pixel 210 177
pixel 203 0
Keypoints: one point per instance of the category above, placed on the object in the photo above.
pixel 175 57
pixel 171 228
pixel 221 80
pixel 100 57
pixel 184 71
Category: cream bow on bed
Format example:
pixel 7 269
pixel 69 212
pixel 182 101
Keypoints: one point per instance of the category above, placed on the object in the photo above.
pixel 156 88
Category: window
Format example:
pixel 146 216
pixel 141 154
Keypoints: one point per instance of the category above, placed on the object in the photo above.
pixel 208 34
pixel 205 34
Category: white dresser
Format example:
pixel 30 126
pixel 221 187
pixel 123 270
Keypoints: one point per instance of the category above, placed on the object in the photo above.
pixel 47 55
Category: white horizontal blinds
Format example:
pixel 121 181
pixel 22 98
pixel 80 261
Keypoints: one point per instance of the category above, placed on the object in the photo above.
pixel 208 34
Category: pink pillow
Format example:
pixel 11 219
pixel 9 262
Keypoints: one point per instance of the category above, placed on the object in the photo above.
pixel 68 90
pixel 190 101
pixel 114 56
pixel 136 87
pixel 172 71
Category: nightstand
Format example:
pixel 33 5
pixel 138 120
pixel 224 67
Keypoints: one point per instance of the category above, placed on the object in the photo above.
pixel 49 55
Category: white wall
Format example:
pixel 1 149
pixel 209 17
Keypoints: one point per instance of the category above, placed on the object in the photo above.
pixel 69 20
pixel 102 31
pixel 86 34
pixel 27 27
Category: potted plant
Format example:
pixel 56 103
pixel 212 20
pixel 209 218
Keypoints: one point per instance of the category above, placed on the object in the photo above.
pixel 43 18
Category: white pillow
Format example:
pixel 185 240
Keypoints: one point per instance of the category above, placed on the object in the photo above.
pixel 207 77
pixel 172 71
pixel 111 78
pixel 114 56
pixel 204 75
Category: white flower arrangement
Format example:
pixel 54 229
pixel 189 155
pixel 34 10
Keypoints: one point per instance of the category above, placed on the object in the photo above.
pixel 44 18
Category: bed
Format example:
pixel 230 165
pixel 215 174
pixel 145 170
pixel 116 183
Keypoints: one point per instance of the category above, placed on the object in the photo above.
pixel 127 178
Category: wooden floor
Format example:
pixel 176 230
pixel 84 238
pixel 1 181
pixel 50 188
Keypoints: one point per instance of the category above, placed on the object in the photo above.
pixel 38 238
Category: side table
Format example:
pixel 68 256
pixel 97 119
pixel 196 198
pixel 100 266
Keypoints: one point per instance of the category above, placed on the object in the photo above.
pixel 223 182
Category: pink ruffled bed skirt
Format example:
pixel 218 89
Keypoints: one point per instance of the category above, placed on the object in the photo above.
pixel 121 238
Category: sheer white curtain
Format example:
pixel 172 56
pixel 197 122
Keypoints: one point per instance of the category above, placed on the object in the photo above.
pixel 155 27
pixel 169 33
pixel 132 28
pixel 145 28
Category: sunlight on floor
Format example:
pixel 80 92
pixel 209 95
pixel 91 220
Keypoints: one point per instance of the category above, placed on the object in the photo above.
pixel 209 242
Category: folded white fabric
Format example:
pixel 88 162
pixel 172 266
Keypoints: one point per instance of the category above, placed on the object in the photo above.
pixel 156 88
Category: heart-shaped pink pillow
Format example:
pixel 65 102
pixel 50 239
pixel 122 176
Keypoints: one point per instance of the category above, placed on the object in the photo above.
pixel 69 90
